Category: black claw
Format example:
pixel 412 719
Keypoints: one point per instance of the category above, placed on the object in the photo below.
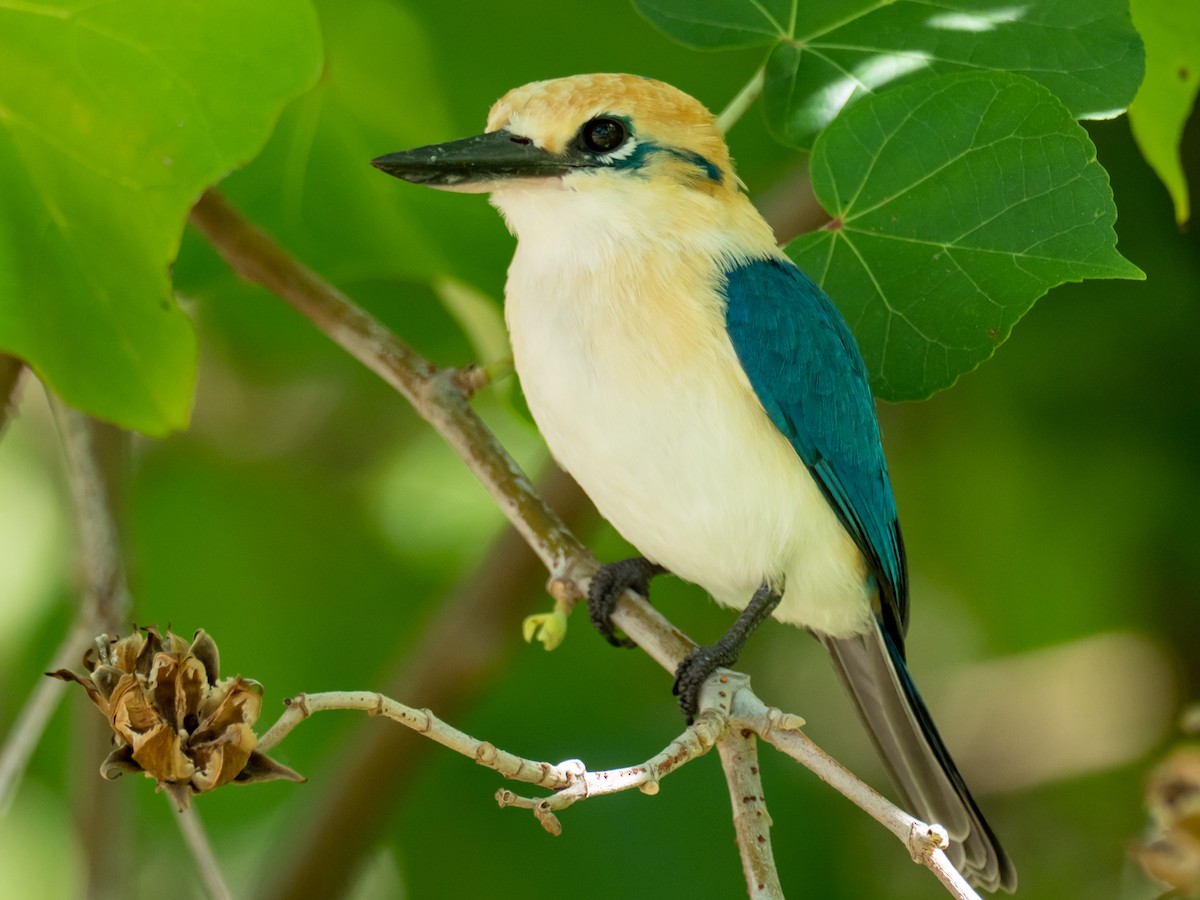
pixel 609 583
pixel 703 661
pixel 696 669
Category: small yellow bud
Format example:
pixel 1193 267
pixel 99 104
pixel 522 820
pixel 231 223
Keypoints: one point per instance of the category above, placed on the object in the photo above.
pixel 549 628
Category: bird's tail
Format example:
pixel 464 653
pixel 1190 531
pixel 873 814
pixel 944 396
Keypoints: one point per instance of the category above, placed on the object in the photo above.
pixel 872 668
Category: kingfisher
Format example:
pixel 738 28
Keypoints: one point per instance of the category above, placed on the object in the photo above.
pixel 707 396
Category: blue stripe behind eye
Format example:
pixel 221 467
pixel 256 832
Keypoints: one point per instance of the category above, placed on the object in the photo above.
pixel 700 162
pixel 643 151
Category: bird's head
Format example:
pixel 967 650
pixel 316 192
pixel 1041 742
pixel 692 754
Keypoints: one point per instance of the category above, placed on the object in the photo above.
pixel 581 134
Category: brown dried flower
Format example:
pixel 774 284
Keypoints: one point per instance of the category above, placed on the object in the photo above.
pixel 171 716
pixel 1172 852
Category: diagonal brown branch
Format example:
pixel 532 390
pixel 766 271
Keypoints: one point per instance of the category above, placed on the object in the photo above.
pixel 436 396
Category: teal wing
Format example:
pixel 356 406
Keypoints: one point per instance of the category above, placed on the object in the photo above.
pixel 805 367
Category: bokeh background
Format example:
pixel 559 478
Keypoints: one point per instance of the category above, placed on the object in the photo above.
pixel 322 533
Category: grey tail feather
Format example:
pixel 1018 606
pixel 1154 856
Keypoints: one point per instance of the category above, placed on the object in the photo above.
pixel 872 668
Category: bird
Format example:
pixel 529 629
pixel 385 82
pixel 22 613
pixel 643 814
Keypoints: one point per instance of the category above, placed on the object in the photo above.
pixel 708 397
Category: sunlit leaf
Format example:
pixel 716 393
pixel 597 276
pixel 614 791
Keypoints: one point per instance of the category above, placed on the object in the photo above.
pixel 113 117
pixel 1157 115
pixel 957 202
pixel 829 54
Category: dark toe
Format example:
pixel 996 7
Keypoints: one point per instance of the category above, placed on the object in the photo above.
pixel 693 672
pixel 608 584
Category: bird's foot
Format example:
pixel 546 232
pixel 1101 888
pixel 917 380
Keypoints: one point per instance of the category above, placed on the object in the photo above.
pixel 696 668
pixel 703 661
pixel 609 583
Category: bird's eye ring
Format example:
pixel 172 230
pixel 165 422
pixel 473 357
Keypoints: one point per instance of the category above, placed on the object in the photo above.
pixel 603 135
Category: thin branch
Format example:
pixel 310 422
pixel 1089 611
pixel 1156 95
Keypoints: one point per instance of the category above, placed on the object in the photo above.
pixel 924 841
pixel 198 844
pixel 738 105
pixel 104 603
pixel 433 393
pixel 730 717
pixel 31 721
pixel 457 653
pixel 95 454
pixel 425 723
pixel 570 781
pixel 106 600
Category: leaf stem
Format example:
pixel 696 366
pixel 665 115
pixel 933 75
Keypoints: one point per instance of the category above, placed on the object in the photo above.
pixel 738 105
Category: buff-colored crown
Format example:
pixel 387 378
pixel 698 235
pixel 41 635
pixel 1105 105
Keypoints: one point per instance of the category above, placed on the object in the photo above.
pixel 550 113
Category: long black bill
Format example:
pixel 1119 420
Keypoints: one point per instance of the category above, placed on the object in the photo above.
pixel 486 157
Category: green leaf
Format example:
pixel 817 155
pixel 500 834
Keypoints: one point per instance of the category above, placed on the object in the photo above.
pixel 957 200
pixel 720 24
pixel 829 54
pixel 313 186
pixel 1159 112
pixel 113 118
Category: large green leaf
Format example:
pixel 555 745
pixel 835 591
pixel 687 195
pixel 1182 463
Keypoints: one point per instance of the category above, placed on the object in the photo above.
pixel 113 118
pixel 957 202
pixel 826 55
pixel 1171 30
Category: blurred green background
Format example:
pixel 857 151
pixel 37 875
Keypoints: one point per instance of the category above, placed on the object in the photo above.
pixel 315 527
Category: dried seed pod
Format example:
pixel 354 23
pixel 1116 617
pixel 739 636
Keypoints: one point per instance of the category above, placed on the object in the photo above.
pixel 172 716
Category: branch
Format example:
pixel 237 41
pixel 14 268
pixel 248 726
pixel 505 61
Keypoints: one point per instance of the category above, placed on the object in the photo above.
pixel 435 395
pixel 31 721
pixel 198 844
pixel 438 397
pixel 729 718
pixel 470 636
pixel 105 599
pixel 925 842
pixel 738 105
pixel 738 748
pixel 570 781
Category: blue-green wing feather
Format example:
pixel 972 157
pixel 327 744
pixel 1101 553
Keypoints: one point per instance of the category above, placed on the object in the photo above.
pixel 806 369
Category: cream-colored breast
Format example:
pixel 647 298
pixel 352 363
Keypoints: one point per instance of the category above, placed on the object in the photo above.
pixel 638 392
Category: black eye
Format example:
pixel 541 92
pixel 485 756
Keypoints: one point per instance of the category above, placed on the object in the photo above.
pixel 603 135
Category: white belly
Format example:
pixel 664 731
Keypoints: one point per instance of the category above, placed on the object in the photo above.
pixel 664 433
